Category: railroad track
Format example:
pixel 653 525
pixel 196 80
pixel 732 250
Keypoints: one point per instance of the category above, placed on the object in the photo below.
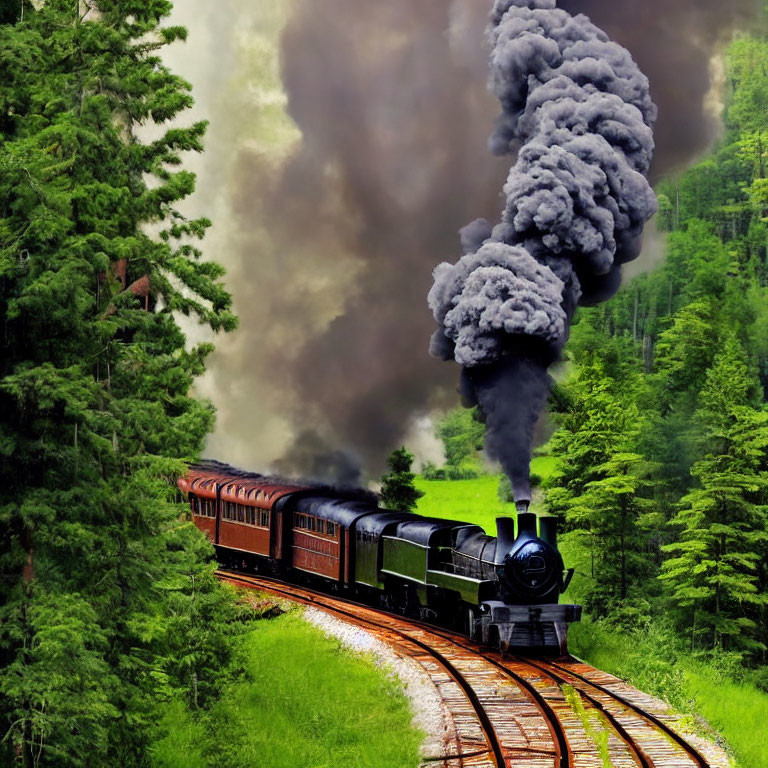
pixel 514 711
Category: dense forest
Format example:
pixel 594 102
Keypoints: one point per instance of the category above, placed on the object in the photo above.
pixel 662 443
pixel 108 605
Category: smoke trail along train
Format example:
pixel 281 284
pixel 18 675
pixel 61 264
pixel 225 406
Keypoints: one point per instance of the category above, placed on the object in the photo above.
pixel 578 114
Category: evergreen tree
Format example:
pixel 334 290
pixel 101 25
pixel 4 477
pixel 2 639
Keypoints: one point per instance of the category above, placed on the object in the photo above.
pixel 397 488
pixel 591 429
pixel 105 588
pixel 713 573
pixel 598 488
pixel 462 432
pixel 616 517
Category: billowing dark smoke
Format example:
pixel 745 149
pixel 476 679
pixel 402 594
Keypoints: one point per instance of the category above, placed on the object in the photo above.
pixel 578 113
pixel 330 240
pixel 674 41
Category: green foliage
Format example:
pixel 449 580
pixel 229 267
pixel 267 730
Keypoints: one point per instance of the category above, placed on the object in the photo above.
pixel 398 491
pixel 108 604
pixel 599 488
pixel 713 573
pixel 463 433
pixel 307 702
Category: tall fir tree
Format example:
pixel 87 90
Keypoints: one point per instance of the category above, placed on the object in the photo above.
pixel 104 584
pixel 713 573
pixel 599 487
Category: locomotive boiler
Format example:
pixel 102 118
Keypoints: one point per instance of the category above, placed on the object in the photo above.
pixel 502 590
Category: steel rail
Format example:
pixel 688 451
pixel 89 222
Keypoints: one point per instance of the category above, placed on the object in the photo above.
pixel 693 753
pixel 563 752
pixel 641 757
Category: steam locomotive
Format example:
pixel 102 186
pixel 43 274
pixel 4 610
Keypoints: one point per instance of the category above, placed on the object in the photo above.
pixel 500 590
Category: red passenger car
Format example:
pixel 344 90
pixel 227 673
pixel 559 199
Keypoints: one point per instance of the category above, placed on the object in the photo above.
pixel 241 513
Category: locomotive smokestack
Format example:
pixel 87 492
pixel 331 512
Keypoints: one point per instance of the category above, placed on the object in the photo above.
pixel 526 525
pixel 505 533
pixel 522 507
pixel 548 530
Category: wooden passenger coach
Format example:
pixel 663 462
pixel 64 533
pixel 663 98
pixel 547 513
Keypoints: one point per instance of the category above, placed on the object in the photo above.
pixel 237 510
pixel 292 526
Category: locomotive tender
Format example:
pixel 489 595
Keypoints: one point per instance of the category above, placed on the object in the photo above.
pixel 502 590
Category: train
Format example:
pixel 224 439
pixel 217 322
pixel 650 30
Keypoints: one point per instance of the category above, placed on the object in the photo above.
pixel 499 590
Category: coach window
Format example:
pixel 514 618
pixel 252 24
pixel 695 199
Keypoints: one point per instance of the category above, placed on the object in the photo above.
pixel 331 529
pixel 251 516
pixel 264 518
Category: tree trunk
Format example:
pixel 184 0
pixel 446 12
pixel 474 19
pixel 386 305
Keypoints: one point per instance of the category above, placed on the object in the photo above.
pixel 634 318
pixel 622 540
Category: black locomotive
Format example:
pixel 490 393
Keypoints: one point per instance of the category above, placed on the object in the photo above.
pixel 501 590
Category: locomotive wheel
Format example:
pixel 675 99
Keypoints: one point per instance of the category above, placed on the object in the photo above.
pixel 470 624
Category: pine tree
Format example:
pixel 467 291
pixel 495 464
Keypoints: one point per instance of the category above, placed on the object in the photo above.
pixel 591 421
pixel 462 432
pixel 713 572
pixel 104 585
pixel 599 488
pixel 398 491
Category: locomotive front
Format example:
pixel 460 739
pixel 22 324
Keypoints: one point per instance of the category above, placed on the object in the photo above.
pixel 524 576
pixel 529 566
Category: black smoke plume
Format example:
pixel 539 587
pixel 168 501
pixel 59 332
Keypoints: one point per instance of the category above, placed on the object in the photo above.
pixel 577 112
pixel 674 42
pixel 330 247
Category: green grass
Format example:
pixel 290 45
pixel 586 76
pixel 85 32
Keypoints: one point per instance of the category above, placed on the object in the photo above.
pixel 543 466
pixel 471 501
pixel 738 711
pixel 310 704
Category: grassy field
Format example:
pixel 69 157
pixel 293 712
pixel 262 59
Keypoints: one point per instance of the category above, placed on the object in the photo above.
pixel 310 704
pixel 472 501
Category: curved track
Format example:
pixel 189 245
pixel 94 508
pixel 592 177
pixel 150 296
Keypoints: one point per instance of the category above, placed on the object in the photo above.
pixel 514 711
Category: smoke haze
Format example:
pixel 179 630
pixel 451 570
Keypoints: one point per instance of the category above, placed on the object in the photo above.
pixel 673 42
pixel 347 148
